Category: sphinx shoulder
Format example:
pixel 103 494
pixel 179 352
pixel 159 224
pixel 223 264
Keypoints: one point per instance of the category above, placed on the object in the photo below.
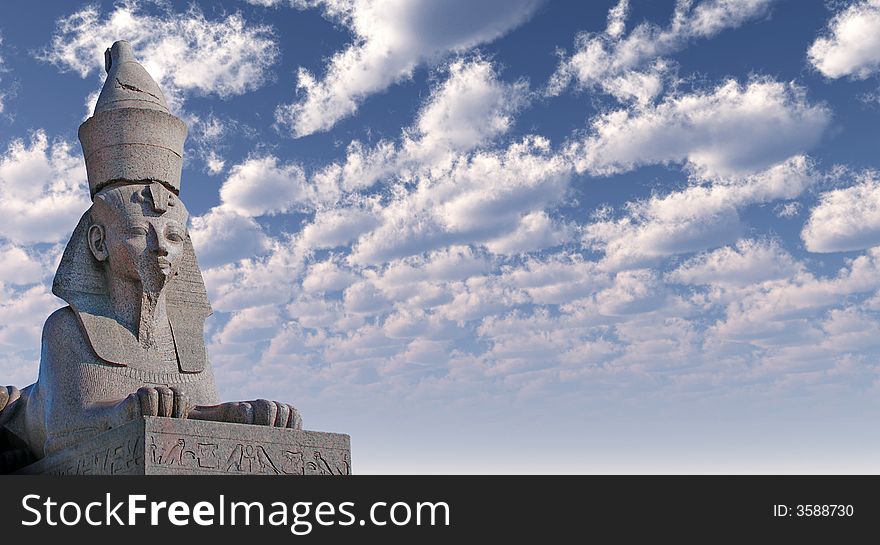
pixel 61 322
pixel 63 337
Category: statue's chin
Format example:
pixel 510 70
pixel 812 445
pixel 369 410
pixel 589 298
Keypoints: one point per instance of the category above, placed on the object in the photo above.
pixel 155 281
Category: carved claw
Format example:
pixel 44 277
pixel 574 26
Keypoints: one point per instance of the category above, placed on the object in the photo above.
pixel 295 420
pixel 282 416
pixel 265 412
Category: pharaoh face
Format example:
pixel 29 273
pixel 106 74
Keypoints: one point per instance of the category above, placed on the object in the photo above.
pixel 139 231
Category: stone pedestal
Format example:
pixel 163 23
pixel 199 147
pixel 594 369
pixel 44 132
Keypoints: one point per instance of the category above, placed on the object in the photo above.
pixel 171 446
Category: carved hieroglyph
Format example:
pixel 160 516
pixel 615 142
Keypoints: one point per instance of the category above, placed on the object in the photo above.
pixel 156 446
pixel 131 344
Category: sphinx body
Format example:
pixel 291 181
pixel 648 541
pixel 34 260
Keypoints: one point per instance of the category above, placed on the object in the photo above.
pixel 130 342
pixel 116 337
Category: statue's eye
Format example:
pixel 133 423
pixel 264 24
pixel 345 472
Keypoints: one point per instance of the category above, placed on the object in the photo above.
pixel 174 236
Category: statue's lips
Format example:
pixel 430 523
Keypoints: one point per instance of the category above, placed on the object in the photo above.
pixel 164 264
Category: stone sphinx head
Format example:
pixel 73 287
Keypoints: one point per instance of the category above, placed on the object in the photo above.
pixel 138 232
pixel 135 232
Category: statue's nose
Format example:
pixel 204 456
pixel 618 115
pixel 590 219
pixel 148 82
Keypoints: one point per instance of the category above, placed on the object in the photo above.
pixel 157 242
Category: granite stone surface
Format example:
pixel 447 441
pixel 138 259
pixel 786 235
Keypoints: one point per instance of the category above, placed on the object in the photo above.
pixel 162 446
pixel 132 135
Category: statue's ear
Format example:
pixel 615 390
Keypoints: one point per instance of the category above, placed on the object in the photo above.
pixel 98 242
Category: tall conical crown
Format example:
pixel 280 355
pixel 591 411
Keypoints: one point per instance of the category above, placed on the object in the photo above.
pixel 131 136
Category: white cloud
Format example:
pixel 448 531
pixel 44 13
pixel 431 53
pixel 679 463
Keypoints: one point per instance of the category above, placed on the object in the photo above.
pixel 845 219
pixel 208 138
pixel 184 52
pixel 536 231
pixel 440 190
pixel 250 325
pixel 695 218
pixel 710 17
pixel 315 311
pixel 632 292
pixel 210 129
pixel 454 263
pixel 214 163
pixel 731 129
pixel 414 323
pixel 337 227
pixel 22 315
pixel 221 236
pixel 367 346
pixel 260 280
pixel 421 281
pixel 470 108
pixel 327 276
pixel 18 266
pixel 557 279
pixel 787 210
pixel 363 167
pixel 617 19
pixel 479 198
pixel 749 262
pixel 851 330
pixel 390 40
pixel 522 341
pixel 639 87
pixel 600 59
pixel 478 297
pixel 261 186
pixel 365 298
pixel 597 331
pixel 783 313
pixel 851 43
pixel 633 241
pixel 43 190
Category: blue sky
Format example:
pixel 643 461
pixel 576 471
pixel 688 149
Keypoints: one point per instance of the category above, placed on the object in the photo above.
pixel 498 235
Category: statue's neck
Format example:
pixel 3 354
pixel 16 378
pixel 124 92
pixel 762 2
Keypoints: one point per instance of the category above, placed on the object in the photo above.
pixel 142 312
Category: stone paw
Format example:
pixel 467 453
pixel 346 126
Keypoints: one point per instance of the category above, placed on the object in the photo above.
pixel 162 401
pixel 262 412
pixel 8 396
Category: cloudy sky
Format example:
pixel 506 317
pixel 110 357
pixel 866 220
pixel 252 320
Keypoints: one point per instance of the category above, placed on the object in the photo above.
pixel 498 235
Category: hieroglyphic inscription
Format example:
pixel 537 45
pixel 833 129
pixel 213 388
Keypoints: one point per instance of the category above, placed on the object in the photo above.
pixel 124 456
pixel 295 463
pixel 320 466
pixel 155 446
pixel 244 457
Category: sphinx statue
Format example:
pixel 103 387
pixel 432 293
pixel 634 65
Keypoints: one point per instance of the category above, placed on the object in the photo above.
pixel 130 342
